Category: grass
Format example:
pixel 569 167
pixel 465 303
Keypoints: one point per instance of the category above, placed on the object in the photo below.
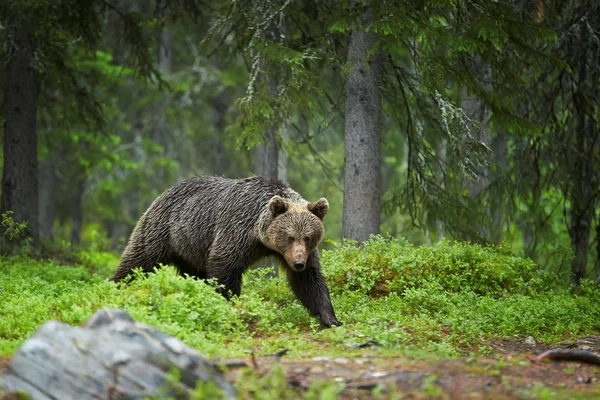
pixel 443 299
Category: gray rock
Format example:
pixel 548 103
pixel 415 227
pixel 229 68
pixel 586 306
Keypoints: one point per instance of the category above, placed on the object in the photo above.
pixel 110 356
pixel 530 340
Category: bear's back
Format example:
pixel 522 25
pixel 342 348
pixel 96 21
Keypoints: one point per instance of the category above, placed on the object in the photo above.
pixel 206 207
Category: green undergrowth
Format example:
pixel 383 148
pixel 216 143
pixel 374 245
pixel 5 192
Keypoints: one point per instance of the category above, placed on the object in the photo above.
pixel 444 299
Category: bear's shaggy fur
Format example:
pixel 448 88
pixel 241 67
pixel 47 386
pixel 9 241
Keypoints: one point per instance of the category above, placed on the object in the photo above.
pixel 213 227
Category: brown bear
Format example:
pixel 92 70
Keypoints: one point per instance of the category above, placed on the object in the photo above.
pixel 213 227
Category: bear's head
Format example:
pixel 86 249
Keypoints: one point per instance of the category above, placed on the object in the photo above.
pixel 295 229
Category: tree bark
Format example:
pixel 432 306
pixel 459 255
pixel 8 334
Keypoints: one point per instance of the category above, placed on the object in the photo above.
pixel 362 141
pixel 282 162
pixel 20 180
pixel 77 211
pixel 159 133
pixel 581 202
pixel 598 247
pixel 219 108
pixel 267 154
pixel 582 193
pixel 47 203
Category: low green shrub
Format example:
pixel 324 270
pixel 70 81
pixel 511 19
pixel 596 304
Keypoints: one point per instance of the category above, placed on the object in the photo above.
pixel 444 298
pixel 383 265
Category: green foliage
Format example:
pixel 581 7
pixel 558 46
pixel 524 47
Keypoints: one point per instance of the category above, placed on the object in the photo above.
pixel 383 265
pixel 265 387
pixel 12 230
pixel 13 238
pixel 443 298
pixel 448 299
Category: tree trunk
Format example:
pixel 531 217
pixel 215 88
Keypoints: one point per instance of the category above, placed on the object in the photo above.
pixel 282 162
pixel 441 153
pixel 267 154
pixel 77 212
pixel 499 148
pixel 582 193
pixel 598 246
pixel 581 202
pixel 476 110
pixel 20 180
pixel 219 108
pixel 47 203
pixel 362 141
pixel 159 133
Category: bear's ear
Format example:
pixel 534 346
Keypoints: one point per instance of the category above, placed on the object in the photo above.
pixel 277 205
pixel 319 207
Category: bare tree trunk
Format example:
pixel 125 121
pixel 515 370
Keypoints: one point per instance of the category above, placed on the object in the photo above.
pixel 77 211
pixel 582 194
pixel 362 141
pixel 159 133
pixel 20 180
pixel 442 151
pixel 267 154
pixel 282 162
pixel 164 51
pixel 598 246
pixel 499 148
pixel 47 202
pixel 477 111
pixel 219 106
pixel 581 203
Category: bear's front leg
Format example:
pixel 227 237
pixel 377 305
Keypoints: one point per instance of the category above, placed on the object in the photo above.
pixel 227 268
pixel 310 288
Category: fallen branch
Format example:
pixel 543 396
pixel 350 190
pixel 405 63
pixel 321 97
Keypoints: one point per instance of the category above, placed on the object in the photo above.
pixel 569 355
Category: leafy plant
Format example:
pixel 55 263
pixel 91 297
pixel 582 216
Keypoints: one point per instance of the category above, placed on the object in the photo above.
pixel 12 229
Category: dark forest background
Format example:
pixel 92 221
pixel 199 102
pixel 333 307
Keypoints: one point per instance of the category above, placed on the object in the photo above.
pixel 467 120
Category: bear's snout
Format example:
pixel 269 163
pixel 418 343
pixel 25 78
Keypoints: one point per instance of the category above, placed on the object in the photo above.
pixel 296 257
pixel 299 265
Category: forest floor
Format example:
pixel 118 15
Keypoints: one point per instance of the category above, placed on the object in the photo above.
pixel 456 321
pixel 508 372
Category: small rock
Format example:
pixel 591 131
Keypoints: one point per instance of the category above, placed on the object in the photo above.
pixel 320 358
pixel 585 347
pixel 341 360
pixel 530 340
pixel 367 343
pixel 581 379
pixel 378 374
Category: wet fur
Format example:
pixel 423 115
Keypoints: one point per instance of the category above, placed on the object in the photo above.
pixel 216 227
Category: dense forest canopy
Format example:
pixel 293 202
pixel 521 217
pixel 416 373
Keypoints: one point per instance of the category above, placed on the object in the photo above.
pixel 471 120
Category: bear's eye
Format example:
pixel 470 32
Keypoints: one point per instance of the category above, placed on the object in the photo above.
pixel 291 239
pixel 307 239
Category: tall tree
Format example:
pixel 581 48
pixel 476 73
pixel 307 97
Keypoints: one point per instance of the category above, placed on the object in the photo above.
pixel 557 169
pixel 266 160
pixel 55 38
pixel 46 203
pixel 362 140
pixel 19 179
